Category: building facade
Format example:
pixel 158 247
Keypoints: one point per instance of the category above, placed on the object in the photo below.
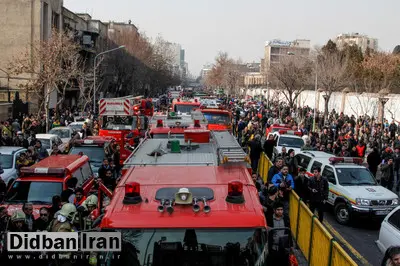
pixel 23 23
pixel 276 49
pixel 362 41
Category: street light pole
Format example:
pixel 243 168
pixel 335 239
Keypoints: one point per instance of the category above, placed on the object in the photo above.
pixel 94 73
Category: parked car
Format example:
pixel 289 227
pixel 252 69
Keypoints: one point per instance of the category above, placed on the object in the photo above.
pixel 76 126
pixel 389 235
pixel 49 139
pixel 65 133
pixel 8 162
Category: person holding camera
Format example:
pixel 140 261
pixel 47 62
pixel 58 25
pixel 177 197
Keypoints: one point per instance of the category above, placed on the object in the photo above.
pixel 284 182
pixel 319 191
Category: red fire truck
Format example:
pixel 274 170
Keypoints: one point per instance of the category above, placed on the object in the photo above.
pixel 218 119
pixel 163 125
pixel 198 215
pixel 121 118
pixel 185 105
pixel 198 147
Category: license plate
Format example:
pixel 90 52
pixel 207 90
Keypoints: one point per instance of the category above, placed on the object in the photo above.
pixel 385 212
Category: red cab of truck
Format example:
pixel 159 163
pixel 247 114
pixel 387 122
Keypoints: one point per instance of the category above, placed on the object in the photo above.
pixel 47 178
pixel 200 215
pixel 184 106
pixel 93 147
pixel 218 119
pixel 119 120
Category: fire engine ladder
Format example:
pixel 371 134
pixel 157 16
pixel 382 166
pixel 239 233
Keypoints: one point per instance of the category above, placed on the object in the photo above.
pixel 228 147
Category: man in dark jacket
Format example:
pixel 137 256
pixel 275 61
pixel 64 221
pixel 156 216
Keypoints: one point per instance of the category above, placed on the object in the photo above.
pixel 373 160
pixel 269 145
pixel 319 191
pixel 301 185
pixel 276 168
pixel 255 152
pixel 387 178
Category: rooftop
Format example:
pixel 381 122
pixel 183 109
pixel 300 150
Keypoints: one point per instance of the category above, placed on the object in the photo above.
pixel 222 215
pixel 202 154
pixel 10 149
pixel 68 162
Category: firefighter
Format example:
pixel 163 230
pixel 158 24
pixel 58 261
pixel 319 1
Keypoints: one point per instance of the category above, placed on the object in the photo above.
pixel 86 222
pixel 89 205
pixel 63 223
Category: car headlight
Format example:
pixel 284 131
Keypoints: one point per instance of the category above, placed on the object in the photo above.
pixel 395 201
pixel 364 202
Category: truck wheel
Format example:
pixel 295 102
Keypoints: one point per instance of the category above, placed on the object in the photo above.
pixel 342 213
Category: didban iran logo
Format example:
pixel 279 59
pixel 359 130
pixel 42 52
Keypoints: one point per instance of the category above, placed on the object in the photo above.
pixel 63 241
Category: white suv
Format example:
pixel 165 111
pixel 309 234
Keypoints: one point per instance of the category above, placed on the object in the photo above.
pixel 352 188
pixel 289 139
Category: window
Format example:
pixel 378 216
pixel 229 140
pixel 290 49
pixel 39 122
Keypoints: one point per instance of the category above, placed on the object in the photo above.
pixel 291 142
pixel 79 176
pixel 303 160
pixel 6 161
pixel 355 177
pixel 394 219
pixel 32 191
pixel 316 165
pixel 211 247
pixel 215 118
pixel 329 174
pixel 86 171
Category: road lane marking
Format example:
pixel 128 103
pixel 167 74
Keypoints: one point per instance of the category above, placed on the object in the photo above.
pixel 347 244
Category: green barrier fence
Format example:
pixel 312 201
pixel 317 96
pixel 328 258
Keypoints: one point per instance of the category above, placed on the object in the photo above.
pixel 315 242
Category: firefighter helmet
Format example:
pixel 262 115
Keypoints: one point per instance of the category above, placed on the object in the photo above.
pixel 91 201
pixel 18 216
pixel 68 210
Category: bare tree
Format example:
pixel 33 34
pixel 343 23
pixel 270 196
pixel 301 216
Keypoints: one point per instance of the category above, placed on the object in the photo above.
pixel 380 71
pixel 332 74
pixel 225 73
pixel 293 74
pixel 54 63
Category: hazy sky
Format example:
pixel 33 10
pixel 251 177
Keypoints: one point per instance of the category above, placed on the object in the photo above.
pixel 204 27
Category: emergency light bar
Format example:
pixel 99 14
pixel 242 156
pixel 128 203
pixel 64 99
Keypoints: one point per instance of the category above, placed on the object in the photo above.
pixel 335 160
pixel 235 192
pixel 132 193
pixel 279 125
pixel 289 132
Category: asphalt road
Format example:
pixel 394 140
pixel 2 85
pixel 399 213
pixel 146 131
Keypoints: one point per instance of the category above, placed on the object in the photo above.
pixel 358 239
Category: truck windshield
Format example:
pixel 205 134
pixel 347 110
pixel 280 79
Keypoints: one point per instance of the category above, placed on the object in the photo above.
pixel 355 177
pixel 96 153
pixel 291 142
pixel 35 192
pixel 178 247
pixel 118 123
pixel 218 118
pixel 185 108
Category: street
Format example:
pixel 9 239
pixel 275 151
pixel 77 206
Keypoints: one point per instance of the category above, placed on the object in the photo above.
pixel 357 239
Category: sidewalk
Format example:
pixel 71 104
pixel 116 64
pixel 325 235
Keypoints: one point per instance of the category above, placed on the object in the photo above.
pixel 300 257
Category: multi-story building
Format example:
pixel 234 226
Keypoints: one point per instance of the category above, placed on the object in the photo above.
pixel 276 50
pixel 362 41
pixel 23 23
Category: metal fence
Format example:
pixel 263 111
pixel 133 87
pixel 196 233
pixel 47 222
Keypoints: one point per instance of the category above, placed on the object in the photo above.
pixel 316 243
